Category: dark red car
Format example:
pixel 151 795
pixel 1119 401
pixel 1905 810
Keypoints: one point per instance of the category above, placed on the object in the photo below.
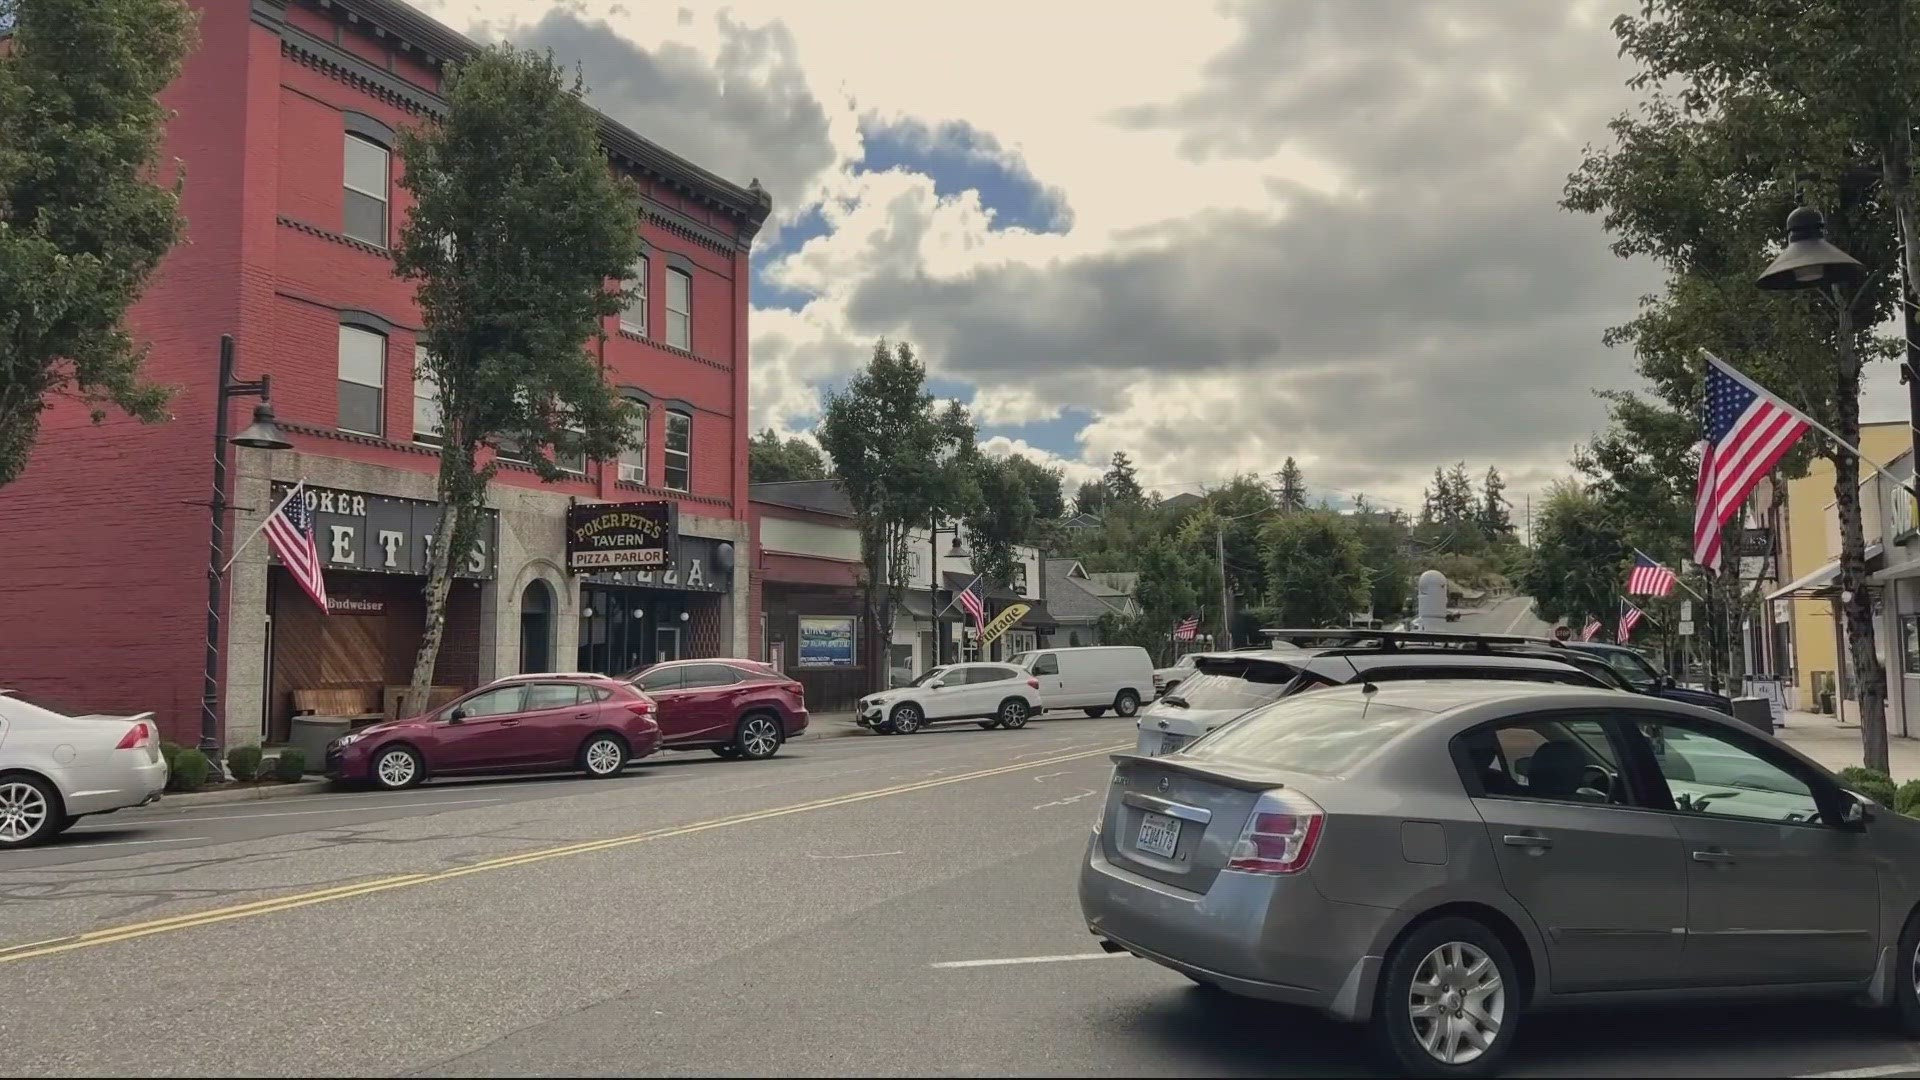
pixel 736 708
pixel 524 722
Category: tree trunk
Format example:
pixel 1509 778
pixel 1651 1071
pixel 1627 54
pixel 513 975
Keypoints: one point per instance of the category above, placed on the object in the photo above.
pixel 439 583
pixel 1856 603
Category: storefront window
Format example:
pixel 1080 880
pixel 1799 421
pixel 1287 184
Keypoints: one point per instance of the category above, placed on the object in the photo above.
pixel 1910 644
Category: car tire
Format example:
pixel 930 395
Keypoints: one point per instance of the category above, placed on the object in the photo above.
pixel 729 751
pixel 1465 965
pixel 758 736
pixel 906 718
pixel 603 755
pixel 396 768
pixel 1906 978
pixel 1095 712
pixel 988 725
pixel 1126 702
pixel 1014 713
pixel 30 811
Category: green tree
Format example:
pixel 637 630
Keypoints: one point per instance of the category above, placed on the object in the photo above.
pixel 1090 497
pixel 1384 536
pixel 1043 485
pixel 1579 559
pixel 518 225
pixel 903 462
pixel 1291 493
pixel 1001 519
pixel 83 218
pixel 1122 482
pixel 1316 568
pixel 773 460
pixel 1495 522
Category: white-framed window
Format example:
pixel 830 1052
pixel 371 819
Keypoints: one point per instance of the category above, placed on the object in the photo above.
pixel 426 400
pixel 680 309
pixel 679 451
pixel 633 317
pixel 364 211
pixel 575 462
pixel 633 460
pixel 363 381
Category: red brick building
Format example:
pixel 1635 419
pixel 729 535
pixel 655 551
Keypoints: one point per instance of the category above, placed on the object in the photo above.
pixel 285 121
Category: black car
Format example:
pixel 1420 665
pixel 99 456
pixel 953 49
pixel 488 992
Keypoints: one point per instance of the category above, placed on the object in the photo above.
pixel 1643 678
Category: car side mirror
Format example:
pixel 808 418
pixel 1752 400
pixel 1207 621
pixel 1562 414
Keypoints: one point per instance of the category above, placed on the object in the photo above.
pixel 1858 812
pixel 456 716
pixel 936 684
pixel 1665 682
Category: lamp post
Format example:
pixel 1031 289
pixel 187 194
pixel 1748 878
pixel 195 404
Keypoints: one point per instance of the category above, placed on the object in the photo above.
pixel 262 434
pixel 957 551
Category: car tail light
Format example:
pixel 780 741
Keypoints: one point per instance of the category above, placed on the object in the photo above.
pixel 1033 684
pixel 1280 835
pixel 643 707
pixel 799 691
pixel 137 736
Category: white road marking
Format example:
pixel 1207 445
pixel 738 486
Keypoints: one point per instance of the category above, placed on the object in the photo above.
pixel 1870 1070
pixel 1068 801
pixel 1042 778
pixel 120 843
pixel 867 855
pixel 1526 608
pixel 132 822
pixel 1010 961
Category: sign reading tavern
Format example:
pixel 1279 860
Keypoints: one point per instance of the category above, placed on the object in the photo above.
pixel 634 534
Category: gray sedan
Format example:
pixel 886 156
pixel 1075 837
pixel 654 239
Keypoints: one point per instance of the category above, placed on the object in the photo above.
pixel 1434 858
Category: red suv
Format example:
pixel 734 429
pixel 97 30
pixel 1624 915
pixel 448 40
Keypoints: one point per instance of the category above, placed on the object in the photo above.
pixel 588 722
pixel 736 708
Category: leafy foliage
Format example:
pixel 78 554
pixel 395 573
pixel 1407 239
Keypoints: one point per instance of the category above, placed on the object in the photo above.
pixel 1090 497
pixel 771 460
pixel 1123 483
pixel 1316 568
pixel 1000 519
pixel 1579 559
pixel 84 220
pixel 189 770
pixel 290 764
pixel 244 762
pixel 1290 487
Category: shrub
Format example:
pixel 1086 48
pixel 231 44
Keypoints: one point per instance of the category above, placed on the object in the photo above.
pixel 168 752
pixel 1907 798
pixel 244 762
pixel 1872 783
pixel 190 770
pixel 291 764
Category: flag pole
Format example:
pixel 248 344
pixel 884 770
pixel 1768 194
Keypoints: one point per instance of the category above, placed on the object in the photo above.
pixel 1676 574
pixel 956 596
pixel 1816 425
pixel 297 489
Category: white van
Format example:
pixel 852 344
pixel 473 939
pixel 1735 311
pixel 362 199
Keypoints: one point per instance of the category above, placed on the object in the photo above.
pixel 1094 677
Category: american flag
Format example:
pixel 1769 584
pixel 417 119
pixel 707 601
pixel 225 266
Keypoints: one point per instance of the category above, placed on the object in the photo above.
pixel 1588 631
pixel 290 530
pixel 970 599
pixel 1629 618
pixel 1747 431
pixel 1649 578
pixel 1188 628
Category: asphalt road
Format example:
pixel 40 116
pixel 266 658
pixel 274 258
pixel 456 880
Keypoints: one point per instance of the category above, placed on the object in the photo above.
pixel 839 910
pixel 1513 615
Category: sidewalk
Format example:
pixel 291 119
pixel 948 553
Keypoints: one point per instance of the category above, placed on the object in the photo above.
pixel 1836 745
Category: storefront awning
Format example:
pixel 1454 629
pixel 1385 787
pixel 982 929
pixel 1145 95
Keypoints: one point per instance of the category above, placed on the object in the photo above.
pixel 1822 582
pixel 1037 618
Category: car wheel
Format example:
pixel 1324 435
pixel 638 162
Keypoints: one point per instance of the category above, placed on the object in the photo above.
pixel 729 751
pixel 1449 1001
pixel 1126 703
pixel 907 718
pixel 396 767
pixel 988 725
pixel 603 756
pixel 1014 712
pixel 1095 712
pixel 30 811
pixel 759 737
pixel 1906 977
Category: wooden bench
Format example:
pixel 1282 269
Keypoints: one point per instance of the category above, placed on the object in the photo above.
pixel 392 700
pixel 351 702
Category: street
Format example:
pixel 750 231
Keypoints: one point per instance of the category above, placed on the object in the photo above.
pixel 1513 615
pixel 854 906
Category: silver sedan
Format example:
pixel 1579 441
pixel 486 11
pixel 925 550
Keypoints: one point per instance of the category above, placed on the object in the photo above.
pixel 56 768
pixel 1435 858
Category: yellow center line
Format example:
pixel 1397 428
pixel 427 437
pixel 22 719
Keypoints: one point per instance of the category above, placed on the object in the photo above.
pixel 110 935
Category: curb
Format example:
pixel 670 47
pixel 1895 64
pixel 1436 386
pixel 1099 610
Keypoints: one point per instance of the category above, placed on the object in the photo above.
pixel 249 794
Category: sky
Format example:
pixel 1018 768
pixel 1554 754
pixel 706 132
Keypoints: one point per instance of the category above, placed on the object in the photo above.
pixel 1212 236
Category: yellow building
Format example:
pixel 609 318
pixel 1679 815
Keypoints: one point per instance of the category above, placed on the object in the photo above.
pixel 1811 541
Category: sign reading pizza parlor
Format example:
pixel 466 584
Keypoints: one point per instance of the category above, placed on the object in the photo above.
pixel 612 535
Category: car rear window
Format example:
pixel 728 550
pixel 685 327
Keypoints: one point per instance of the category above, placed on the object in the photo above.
pixel 1314 733
pixel 1233 686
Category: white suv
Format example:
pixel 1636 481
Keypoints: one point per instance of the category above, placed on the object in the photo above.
pixel 996 695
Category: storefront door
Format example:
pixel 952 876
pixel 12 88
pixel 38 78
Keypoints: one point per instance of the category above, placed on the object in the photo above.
pixel 666 643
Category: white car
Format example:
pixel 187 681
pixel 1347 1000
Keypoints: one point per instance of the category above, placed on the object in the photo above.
pixel 996 695
pixel 55 768
pixel 1166 678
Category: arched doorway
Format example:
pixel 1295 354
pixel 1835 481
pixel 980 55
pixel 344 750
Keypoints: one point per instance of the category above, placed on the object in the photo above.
pixel 536 627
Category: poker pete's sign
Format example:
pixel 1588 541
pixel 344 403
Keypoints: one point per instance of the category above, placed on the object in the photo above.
pixel 1003 622
pixel 616 535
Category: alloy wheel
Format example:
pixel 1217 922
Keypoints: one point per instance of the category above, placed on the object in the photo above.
pixel 1456 1003
pixel 1913 969
pixel 906 719
pixel 396 768
pixel 1014 714
pixel 603 757
pixel 759 738
pixel 23 810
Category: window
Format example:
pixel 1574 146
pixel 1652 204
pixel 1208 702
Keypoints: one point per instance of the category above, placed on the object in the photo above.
pixel 1310 733
pixel 1020 578
pixel 494 702
pixel 930 675
pixel 990 674
pixel 667 678
pixel 633 317
pixel 680 309
pixel 553 696
pixel 363 380
pixel 633 460
pixel 1715 776
pixel 679 450
pixel 1910 644
pixel 1233 686
pixel 573 461
pixel 1045 664
pixel 1638 673
pixel 426 400
pixel 700 675
pixel 364 213
pixel 1560 760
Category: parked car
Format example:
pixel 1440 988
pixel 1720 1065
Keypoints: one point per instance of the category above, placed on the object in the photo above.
pixel 1423 857
pixel 1229 684
pixel 1166 678
pixel 735 708
pixel 55 769
pixel 1093 678
pixel 1645 679
pixel 994 695
pixel 550 720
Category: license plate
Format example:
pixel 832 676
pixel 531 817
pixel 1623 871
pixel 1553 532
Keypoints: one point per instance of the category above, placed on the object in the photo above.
pixel 1159 835
pixel 1170 743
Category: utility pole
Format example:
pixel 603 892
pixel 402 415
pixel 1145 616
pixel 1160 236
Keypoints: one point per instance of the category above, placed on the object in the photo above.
pixel 1226 597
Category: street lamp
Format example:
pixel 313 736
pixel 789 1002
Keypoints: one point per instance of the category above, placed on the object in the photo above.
pixel 957 551
pixel 262 434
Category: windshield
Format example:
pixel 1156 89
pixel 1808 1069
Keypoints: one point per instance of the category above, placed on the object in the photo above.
pixel 1022 660
pixel 928 677
pixel 1235 686
pixel 1633 668
pixel 1314 733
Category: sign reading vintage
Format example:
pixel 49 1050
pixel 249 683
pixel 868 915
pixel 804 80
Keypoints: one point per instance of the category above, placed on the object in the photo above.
pixel 633 534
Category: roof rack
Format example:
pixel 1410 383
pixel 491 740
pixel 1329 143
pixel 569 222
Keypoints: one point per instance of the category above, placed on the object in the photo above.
pixel 1360 639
